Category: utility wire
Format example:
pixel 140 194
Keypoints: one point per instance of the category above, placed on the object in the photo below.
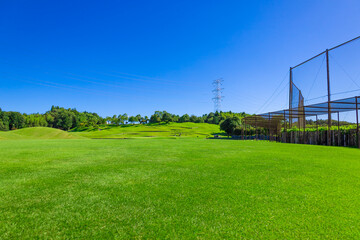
pixel 62 73
pixel 344 70
pixel 93 81
pixel 354 39
pixel 61 62
pixel 63 86
pixel 317 74
pixel 139 80
pixel 338 93
pixel 277 95
pixel 287 73
pixel 346 92
pixel 316 98
pixel 142 77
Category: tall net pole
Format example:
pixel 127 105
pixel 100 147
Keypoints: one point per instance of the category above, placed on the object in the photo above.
pixel 217 91
pixel 328 95
pixel 290 97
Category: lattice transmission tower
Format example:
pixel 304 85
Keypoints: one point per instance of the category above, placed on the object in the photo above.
pixel 217 94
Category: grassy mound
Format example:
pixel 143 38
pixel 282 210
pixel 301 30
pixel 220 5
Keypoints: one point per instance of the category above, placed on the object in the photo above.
pixel 188 129
pixel 37 133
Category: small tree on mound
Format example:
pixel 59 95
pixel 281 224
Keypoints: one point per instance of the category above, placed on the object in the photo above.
pixel 230 124
pixel 155 119
pixel 167 117
pixel 132 119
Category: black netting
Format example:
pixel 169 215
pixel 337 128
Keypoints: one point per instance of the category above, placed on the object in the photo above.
pixel 296 106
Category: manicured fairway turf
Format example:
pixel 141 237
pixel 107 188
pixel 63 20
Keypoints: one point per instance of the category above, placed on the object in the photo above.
pixel 177 188
pixel 187 129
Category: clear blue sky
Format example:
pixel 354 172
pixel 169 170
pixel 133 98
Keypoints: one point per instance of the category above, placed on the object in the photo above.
pixel 112 57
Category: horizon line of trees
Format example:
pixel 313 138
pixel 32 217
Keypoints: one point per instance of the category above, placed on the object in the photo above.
pixel 66 119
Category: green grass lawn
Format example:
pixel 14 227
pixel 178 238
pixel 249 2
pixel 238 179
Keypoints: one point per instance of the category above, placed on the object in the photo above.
pixel 188 129
pixel 177 188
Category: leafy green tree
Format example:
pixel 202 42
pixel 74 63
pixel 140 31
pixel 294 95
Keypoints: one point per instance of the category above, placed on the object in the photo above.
pixel 35 120
pixel 123 118
pixel 132 119
pixel 175 118
pixel 108 120
pixel 200 120
pixel 193 118
pixel 159 113
pixel 63 118
pixel 155 119
pixel 166 117
pixel 16 120
pixel 138 118
pixel 2 126
pixel 184 118
pixel 216 120
pixel 230 124
pixel 115 120
pixel 49 119
pixel 4 118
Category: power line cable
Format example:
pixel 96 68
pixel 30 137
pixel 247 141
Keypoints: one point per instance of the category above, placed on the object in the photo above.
pixel 31 53
pixel 338 93
pixel 346 92
pixel 317 74
pixel 64 86
pixel 82 76
pixel 354 39
pixel 344 70
pixel 94 80
pixel 315 98
pixel 287 73
pixel 141 77
pixel 277 95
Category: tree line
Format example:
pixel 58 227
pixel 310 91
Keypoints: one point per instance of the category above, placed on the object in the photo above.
pixel 66 119
pixel 57 117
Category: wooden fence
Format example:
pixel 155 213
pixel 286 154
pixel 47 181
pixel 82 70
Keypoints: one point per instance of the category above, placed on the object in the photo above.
pixel 338 138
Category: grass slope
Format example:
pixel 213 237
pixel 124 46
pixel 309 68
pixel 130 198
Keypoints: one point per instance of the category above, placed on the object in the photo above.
pixel 37 133
pixel 188 129
pixel 178 189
